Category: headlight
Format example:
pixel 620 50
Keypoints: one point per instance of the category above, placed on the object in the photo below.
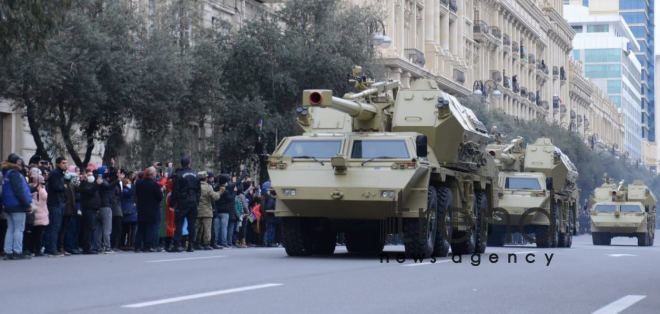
pixel 289 192
pixel 387 194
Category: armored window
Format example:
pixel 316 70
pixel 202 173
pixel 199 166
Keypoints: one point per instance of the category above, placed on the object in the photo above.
pixel 631 209
pixel 603 208
pixel 313 148
pixel 380 149
pixel 519 183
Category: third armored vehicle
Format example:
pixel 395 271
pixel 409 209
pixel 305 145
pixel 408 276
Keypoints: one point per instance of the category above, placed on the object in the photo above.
pixel 384 161
pixel 622 211
pixel 539 194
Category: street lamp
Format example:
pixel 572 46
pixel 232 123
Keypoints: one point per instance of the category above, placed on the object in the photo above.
pixel 482 88
pixel 380 39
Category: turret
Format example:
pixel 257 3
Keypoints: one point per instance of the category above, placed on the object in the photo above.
pixel 543 156
pixel 509 157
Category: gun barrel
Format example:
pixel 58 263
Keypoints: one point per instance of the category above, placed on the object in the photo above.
pixel 355 109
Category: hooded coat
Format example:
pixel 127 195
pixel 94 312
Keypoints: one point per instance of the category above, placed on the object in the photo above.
pixel 16 196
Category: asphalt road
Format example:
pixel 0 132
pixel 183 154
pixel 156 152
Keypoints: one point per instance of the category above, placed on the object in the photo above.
pixel 583 279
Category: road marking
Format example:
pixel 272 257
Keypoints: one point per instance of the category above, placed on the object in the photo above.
pixel 200 295
pixel 184 259
pixel 620 304
pixel 620 255
pixel 425 263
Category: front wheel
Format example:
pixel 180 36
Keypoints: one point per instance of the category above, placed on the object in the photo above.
pixel 419 233
pixel 443 231
pixel 296 240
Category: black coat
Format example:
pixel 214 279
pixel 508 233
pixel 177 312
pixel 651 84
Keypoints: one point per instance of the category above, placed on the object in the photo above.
pixel 55 188
pixel 148 197
pixel 90 198
pixel 225 205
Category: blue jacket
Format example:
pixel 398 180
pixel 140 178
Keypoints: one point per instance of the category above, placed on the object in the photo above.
pixel 128 208
pixel 16 196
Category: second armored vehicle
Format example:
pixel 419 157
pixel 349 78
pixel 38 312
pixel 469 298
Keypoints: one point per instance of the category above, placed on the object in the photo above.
pixel 384 161
pixel 539 194
pixel 622 211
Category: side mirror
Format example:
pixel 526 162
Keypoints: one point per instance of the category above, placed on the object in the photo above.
pixel 421 144
pixel 548 184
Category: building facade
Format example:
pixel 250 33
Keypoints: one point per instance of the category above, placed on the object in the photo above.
pixel 607 47
pixel 639 15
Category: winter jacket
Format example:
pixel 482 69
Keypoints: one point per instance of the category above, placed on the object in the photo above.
pixel 115 203
pixel 208 196
pixel 90 198
pixel 225 205
pixel 108 193
pixel 16 195
pixel 70 208
pixel 40 204
pixel 186 191
pixel 55 188
pixel 128 208
pixel 148 197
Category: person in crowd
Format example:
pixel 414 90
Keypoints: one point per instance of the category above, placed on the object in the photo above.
pixel 104 219
pixel 148 197
pixel 167 221
pixel 40 207
pixel 17 201
pixel 205 212
pixel 224 206
pixel 254 220
pixel 116 176
pixel 69 233
pixel 56 204
pixel 185 199
pixel 129 214
pixel 271 226
pixel 90 203
pixel 241 209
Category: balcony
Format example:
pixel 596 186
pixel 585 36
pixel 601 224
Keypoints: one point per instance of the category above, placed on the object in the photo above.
pixel 481 31
pixel 523 91
pixel 556 102
pixel 459 76
pixel 515 50
pixel 507 82
pixel 562 74
pixel 555 72
pixel 516 86
pixel 415 56
pixel 496 32
pixel 496 76
pixel 523 52
pixel 532 58
pixel 531 97
pixel 453 6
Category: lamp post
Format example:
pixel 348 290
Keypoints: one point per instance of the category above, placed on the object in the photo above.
pixel 380 39
pixel 483 88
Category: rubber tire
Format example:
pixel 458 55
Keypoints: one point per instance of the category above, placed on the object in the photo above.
pixel 365 241
pixel 418 240
pixel 441 246
pixel 542 237
pixel 601 238
pixel 497 236
pixel 643 239
pixel 554 227
pixel 569 240
pixel 295 239
pixel 481 228
pixel 595 238
pixel 468 244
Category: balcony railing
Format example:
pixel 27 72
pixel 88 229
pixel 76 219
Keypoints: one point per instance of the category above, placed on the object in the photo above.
pixel 506 40
pixel 480 27
pixel 415 56
pixel 507 82
pixel 523 91
pixel 516 49
pixel 497 33
pixel 532 58
pixel 453 6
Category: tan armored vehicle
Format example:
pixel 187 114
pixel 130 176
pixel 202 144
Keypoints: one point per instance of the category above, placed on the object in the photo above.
pixel 384 161
pixel 622 211
pixel 538 194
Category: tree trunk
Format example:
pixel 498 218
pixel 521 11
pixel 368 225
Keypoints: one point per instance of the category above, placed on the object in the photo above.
pixel 114 145
pixel 33 122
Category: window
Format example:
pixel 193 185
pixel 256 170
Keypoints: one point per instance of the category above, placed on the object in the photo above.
pixel 379 149
pixel 576 54
pixel 616 99
pixel 614 86
pixel 313 148
pixel 639 31
pixel 577 28
pixel 632 4
pixel 634 17
pixel 602 208
pixel 598 28
pixel 631 209
pixel 521 183
pixel 602 55
pixel 603 71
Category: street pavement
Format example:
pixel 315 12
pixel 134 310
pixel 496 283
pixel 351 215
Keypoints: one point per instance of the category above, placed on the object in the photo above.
pixel 582 279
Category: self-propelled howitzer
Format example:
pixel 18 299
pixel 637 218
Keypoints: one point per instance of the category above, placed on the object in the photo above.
pixel 384 160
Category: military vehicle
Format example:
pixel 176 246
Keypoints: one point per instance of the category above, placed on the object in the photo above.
pixel 538 194
pixel 621 211
pixel 384 161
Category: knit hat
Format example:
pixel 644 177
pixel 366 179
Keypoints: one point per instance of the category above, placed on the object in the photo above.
pixel 14 158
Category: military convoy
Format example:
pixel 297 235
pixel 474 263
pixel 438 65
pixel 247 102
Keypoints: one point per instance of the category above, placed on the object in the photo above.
pixel 384 161
pixel 538 194
pixel 621 211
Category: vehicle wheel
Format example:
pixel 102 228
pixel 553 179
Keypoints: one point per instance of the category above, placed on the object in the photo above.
pixel 605 239
pixel 595 238
pixel 419 233
pixel 324 237
pixel 497 236
pixel 295 240
pixel 643 239
pixel 465 242
pixel 543 239
pixel 554 227
pixel 366 240
pixel 569 240
pixel 480 228
pixel 444 230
